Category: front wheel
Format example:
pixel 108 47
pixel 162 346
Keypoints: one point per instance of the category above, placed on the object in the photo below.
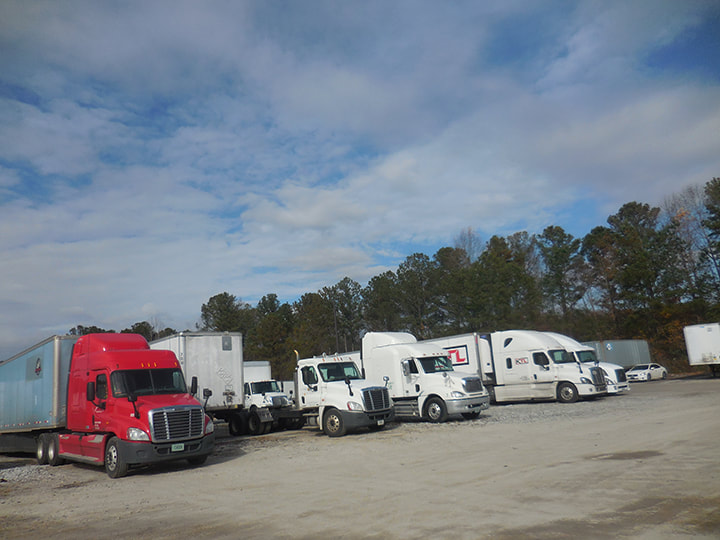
pixel 435 410
pixel 333 424
pixel 255 426
pixel 115 466
pixel 567 393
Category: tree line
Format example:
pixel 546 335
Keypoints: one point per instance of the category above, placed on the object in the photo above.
pixel 645 275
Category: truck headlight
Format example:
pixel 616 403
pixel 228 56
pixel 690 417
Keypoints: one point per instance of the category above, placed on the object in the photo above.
pixel 354 406
pixel 585 380
pixel 137 434
pixel 457 394
pixel 209 426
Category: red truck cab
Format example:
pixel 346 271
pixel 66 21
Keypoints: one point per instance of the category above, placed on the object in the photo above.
pixel 129 405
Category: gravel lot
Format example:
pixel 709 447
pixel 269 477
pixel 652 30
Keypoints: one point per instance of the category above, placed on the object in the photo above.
pixel 641 465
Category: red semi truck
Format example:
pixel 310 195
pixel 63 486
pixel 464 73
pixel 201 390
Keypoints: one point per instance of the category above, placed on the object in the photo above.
pixel 106 399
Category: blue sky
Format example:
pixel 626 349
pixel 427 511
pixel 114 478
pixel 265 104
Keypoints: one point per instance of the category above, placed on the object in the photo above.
pixel 153 154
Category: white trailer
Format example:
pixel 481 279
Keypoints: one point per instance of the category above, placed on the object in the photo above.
pixel 703 346
pixel 331 393
pixel 420 377
pixel 614 374
pixel 523 365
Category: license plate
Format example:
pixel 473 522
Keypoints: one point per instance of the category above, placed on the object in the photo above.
pixel 381 422
pixel 179 447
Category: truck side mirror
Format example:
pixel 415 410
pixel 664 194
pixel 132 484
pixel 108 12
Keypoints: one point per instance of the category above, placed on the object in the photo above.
pixel 207 393
pixel 90 391
pixel 406 368
pixel 193 386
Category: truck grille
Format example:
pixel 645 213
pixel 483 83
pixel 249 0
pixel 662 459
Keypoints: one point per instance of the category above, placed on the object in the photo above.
pixel 598 378
pixel 376 398
pixel 620 374
pixel 176 423
pixel 472 385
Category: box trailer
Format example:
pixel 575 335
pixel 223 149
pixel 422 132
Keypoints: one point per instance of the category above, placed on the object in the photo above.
pixel 623 352
pixel 703 346
pixel 104 399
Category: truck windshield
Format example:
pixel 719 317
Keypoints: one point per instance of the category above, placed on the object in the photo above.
pixel 337 371
pixel 586 356
pixel 436 364
pixel 560 356
pixel 143 382
pixel 264 387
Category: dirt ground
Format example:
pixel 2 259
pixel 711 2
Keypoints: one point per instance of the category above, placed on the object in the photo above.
pixel 642 465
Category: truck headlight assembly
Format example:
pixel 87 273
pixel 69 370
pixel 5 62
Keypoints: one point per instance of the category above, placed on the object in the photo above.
pixel 354 406
pixel 457 394
pixel 137 434
pixel 209 426
pixel 585 380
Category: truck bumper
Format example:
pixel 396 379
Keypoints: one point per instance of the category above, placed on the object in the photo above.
pixel 135 453
pixel 590 390
pixel 355 420
pixel 467 405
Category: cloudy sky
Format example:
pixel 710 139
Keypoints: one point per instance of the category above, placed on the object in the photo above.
pixel 153 154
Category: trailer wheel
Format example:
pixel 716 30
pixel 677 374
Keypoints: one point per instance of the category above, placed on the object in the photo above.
pixel 237 425
pixel 471 415
pixel 567 393
pixel 435 410
pixel 41 450
pixel 333 424
pixel 53 450
pixel 115 467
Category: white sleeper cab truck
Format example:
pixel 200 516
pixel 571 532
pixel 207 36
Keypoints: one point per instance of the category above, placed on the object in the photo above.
pixel 703 346
pixel 331 393
pixel 421 378
pixel 524 365
pixel 615 377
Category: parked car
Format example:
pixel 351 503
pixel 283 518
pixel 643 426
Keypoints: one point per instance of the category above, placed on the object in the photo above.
pixel 646 372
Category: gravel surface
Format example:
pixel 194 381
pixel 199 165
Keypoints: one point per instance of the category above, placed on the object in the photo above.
pixel 641 465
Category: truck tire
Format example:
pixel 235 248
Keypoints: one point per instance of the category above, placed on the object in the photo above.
pixel 115 467
pixel 333 424
pixel 41 449
pixel 255 426
pixel 53 450
pixel 435 410
pixel 567 393
pixel 237 425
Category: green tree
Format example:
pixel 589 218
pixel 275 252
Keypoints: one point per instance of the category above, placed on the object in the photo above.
pixel 345 297
pixel 226 313
pixel 143 328
pixel 417 295
pixel 380 305
pixel 562 280
pixel 81 330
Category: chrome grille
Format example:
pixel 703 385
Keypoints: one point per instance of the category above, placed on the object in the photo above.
pixel 620 374
pixel 376 398
pixel 598 378
pixel 176 423
pixel 472 385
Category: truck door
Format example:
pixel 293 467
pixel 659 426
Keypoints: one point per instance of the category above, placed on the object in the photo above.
pixel 309 390
pixel 515 374
pixel 102 414
pixel 543 376
pixel 411 378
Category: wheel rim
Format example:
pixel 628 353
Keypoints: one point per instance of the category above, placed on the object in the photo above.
pixel 567 393
pixel 333 423
pixel 434 411
pixel 111 457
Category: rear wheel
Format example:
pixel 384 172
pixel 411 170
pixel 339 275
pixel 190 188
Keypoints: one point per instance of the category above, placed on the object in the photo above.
pixel 255 426
pixel 115 466
pixel 53 450
pixel 41 449
pixel 237 425
pixel 435 410
pixel 567 393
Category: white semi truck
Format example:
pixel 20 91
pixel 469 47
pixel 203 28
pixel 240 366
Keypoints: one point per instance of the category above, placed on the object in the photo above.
pixel 420 377
pixel 615 378
pixel 261 391
pixel 703 346
pixel 331 393
pixel 523 365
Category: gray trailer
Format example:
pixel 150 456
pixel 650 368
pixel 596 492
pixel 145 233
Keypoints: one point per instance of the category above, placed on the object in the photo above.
pixel 624 352
pixel 33 393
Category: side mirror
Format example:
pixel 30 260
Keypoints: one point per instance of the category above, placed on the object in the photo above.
pixel 90 391
pixel 206 392
pixel 193 386
pixel 386 379
pixel 406 368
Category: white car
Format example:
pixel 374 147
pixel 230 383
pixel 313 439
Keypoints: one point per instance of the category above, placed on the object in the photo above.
pixel 646 372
